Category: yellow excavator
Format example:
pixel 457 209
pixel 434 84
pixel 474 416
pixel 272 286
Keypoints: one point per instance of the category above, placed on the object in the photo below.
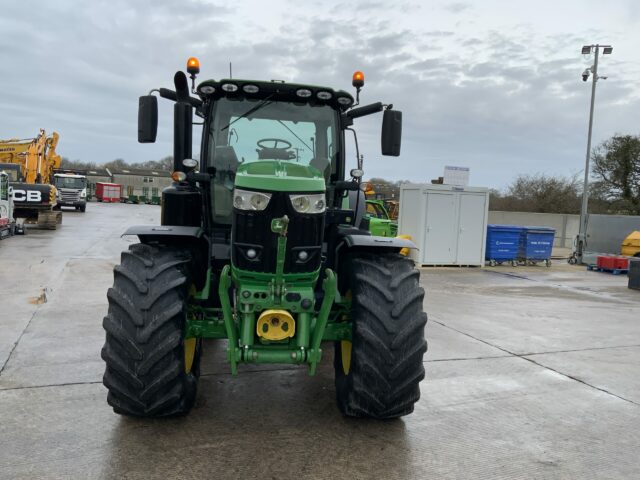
pixel 30 164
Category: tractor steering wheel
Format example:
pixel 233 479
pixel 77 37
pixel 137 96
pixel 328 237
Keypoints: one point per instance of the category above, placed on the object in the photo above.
pixel 276 141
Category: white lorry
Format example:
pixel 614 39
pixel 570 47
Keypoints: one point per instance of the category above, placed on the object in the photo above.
pixel 72 189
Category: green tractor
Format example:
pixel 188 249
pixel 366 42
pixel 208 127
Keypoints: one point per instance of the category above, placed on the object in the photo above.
pixel 376 220
pixel 258 246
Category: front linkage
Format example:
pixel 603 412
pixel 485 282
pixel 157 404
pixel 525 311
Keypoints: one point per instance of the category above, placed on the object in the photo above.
pixel 271 299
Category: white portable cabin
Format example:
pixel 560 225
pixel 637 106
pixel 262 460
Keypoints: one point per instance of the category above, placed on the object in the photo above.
pixel 448 223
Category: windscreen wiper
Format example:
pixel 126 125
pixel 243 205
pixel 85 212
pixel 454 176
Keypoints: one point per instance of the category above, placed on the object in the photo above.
pixel 251 111
pixel 294 134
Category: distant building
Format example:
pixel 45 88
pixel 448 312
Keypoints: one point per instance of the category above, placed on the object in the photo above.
pixel 137 184
pixel 141 183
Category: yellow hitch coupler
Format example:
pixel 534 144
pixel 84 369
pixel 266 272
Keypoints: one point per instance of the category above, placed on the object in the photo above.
pixel 275 325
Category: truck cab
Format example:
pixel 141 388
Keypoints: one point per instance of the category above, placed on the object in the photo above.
pixel 72 190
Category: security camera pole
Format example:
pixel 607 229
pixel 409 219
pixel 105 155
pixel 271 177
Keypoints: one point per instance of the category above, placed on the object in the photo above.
pixel 582 235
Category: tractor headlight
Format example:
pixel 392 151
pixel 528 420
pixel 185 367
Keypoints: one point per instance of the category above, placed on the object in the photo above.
pixel 313 203
pixel 247 200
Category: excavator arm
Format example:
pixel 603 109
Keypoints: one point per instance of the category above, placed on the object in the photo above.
pixel 52 160
pixel 37 156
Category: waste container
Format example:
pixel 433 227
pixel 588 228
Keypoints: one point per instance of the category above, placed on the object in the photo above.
pixel 536 244
pixel 634 273
pixel 503 244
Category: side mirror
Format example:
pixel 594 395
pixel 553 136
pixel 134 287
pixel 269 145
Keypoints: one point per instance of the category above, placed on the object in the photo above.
pixel 391 138
pixel 147 119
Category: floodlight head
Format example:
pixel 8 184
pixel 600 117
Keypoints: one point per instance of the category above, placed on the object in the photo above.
pixel 607 50
pixel 586 50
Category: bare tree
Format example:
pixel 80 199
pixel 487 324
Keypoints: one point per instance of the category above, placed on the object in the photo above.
pixel 77 164
pixel 539 193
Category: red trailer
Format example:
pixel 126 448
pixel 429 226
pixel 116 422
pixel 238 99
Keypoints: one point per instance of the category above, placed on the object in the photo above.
pixel 108 192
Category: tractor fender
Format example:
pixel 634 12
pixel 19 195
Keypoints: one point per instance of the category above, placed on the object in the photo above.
pixel 179 236
pixel 147 233
pixel 375 242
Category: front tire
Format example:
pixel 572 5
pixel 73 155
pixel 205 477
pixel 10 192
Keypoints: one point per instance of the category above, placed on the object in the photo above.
pixel 151 371
pixel 379 371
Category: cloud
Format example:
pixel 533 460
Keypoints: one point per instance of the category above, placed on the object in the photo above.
pixel 501 98
pixel 457 7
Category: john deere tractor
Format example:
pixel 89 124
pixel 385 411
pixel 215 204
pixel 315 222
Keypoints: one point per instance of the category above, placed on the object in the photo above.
pixel 377 221
pixel 258 246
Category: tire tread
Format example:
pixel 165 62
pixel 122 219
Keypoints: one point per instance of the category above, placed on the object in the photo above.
pixel 144 326
pixel 388 338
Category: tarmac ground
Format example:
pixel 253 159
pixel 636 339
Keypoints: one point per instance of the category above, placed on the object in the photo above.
pixel 532 372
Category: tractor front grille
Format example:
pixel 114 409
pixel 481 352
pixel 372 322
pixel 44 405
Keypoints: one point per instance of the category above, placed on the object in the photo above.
pixel 251 230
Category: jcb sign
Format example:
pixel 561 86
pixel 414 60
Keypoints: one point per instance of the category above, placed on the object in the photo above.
pixel 29 196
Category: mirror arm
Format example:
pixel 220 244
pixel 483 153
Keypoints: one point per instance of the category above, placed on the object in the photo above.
pixel 358 157
pixel 198 177
pixel 365 110
pixel 171 95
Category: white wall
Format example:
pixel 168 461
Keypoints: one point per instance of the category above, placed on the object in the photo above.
pixel 605 233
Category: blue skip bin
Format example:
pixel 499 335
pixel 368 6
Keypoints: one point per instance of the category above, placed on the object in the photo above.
pixel 536 244
pixel 503 244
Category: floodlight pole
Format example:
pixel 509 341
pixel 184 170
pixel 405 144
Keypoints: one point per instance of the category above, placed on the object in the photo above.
pixel 582 235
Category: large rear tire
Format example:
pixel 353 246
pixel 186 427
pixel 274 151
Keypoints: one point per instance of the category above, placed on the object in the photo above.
pixel 151 371
pixel 379 371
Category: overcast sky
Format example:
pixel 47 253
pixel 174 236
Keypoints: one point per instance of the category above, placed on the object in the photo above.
pixel 492 85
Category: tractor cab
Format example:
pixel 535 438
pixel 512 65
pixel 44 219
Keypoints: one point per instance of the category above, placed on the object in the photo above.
pixel 269 130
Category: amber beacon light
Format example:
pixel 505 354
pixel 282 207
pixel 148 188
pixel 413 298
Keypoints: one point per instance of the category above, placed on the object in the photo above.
pixel 193 66
pixel 358 79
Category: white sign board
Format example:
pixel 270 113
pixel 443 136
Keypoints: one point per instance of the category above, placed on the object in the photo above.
pixel 458 176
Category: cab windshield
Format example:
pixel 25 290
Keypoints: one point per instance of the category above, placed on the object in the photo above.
pixel 12 174
pixel 245 131
pixel 70 182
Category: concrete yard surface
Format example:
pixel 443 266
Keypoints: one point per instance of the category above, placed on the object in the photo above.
pixel 532 372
